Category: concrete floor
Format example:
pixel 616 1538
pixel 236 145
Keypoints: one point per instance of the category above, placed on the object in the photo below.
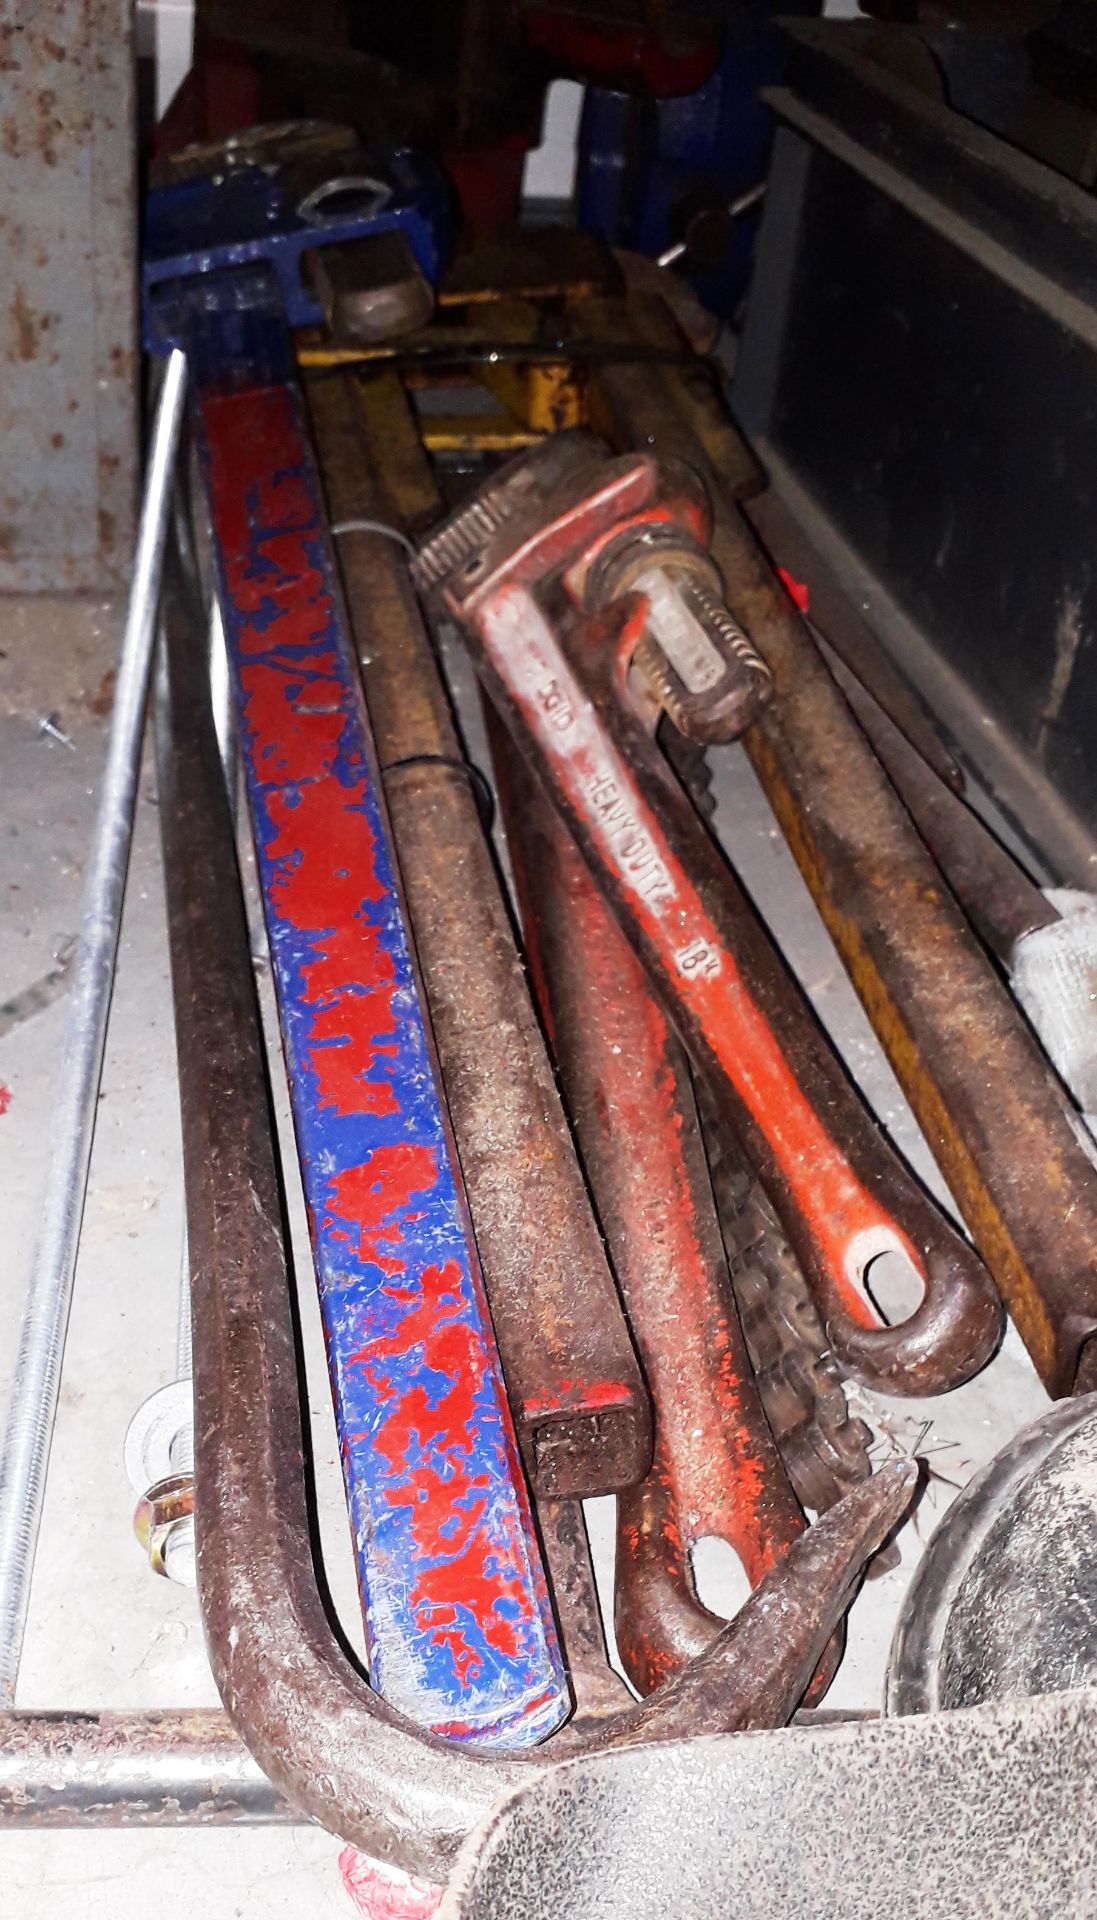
pixel 103 1630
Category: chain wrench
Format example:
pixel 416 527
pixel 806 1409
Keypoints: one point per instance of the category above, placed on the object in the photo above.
pixel 716 1471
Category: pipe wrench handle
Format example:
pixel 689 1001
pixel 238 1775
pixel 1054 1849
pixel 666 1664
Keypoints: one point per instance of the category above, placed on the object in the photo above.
pixel 843 1193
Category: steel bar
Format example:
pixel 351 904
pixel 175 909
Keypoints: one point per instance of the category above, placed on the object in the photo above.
pixel 995 892
pixel 821 598
pixel 459 1626
pixel 1000 900
pixel 32 1409
pixel 330 1743
pixel 994 1115
pixel 511 1135
pixel 158 1769
pixel 579 1402
pixel 598 1692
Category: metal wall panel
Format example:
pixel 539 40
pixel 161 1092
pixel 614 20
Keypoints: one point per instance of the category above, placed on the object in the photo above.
pixel 68 312
pixel 918 373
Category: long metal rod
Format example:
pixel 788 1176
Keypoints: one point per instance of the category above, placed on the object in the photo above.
pixel 185 1768
pixel 580 1406
pixel 224 721
pixel 33 1407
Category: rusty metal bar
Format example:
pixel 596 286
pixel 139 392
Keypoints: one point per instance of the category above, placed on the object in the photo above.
pixel 328 1742
pixel 1000 900
pixel 819 595
pixel 575 1388
pixel 458 1626
pixel 995 892
pixel 158 1769
pixel 599 1693
pixel 994 1115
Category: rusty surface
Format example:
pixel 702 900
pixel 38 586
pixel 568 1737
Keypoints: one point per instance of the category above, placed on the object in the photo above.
pixel 995 1116
pixel 572 1377
pixel 309 1717
pixel 599 1693
pixel 557 678
pixel 68 310
pixel 699 668
pixel 657 1618
pixel 333 1746
pixel 824 1448
pixel 529 264
pixel 109 1769
pixel 782 1630
pixel 627 1086
pixel 459 1628
pixel 997 895
pixel 847 631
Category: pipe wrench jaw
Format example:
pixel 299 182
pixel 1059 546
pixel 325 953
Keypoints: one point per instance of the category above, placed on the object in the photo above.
pixel 568 517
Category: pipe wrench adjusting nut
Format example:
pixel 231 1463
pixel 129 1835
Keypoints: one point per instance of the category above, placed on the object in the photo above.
pixel 695 660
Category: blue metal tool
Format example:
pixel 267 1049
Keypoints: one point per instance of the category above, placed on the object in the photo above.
pixel 649 171
pixel 459 1624
pixel 253 211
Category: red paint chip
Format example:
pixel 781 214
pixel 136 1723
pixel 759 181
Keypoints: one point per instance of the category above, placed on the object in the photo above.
pixel 796 590
pixel 383 1892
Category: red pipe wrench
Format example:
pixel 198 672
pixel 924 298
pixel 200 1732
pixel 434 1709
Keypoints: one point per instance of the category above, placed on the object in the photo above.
pixel 583 587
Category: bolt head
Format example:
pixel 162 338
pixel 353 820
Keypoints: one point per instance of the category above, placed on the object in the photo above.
pixel 164 1525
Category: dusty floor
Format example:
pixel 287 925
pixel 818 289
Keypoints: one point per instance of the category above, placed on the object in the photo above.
pixel 103 1630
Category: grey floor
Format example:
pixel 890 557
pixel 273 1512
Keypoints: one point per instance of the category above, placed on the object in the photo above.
pixel 104 1631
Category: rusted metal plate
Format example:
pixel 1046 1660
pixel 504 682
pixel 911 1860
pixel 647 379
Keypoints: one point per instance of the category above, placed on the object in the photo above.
pixel 68 311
